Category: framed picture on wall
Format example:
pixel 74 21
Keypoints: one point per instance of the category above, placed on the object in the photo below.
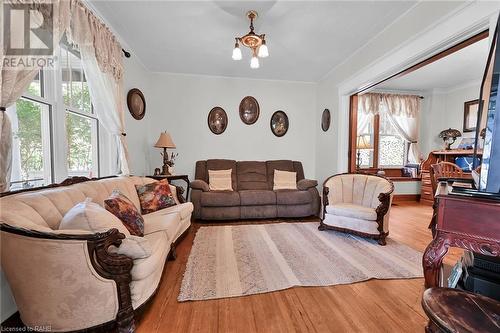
pixel 470 115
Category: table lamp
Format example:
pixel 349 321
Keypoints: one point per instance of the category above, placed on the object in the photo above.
pixel 165 141
pixel 449 136
pixel 362 142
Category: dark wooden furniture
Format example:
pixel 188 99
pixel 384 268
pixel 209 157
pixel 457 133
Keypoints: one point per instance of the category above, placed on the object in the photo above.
pixel 452 310
pixel 466 222
pixel 179 189
pixel 444 170
pixel 435 157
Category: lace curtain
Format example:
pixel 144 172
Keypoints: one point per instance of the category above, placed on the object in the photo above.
pixel 86 29
pixel 403 112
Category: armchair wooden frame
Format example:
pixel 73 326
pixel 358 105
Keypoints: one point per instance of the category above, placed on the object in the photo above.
pixel 381 210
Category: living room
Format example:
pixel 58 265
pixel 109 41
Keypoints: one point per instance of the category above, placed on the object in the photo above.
pixel 185 109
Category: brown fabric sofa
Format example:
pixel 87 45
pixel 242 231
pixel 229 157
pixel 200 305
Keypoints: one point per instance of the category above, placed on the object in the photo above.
pixel 252 196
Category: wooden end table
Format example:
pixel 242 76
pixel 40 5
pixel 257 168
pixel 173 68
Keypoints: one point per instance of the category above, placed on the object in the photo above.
pixel 176 177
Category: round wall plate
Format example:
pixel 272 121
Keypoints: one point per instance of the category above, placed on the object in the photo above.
pixel 279 123
pixel 325 120
pixel 249 110
pixel 217 120
pixel 136 103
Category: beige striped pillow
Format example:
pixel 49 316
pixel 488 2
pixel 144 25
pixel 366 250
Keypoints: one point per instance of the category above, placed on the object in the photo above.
pixel 220 180
pixel 284 180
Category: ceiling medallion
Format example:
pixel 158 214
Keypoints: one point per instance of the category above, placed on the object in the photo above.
pixel 257 43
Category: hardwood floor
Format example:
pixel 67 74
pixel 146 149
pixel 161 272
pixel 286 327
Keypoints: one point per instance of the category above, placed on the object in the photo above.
pixel 372 306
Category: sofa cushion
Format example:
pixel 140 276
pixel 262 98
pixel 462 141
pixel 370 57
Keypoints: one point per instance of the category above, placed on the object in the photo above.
pixel 220 198
pixel 284 180
pixel 154 196
pixel 351 223
pixel 252 175
pixel 133 247
pixel 220 180
pixel 220 164
pixel 352 210
pixel 88 215
pixel 162 221
pixel 184 209
pixel 124 209
pixel 257 197
pixel 285 165
pixel 160 246
pixel 292 197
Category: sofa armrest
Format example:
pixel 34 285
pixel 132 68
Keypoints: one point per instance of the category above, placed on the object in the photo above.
pixel 199 184
pixel 79 253
pixel 305 184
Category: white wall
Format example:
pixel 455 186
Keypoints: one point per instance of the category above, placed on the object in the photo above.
pixel 446 110
pixel 180 105
pixel 136 76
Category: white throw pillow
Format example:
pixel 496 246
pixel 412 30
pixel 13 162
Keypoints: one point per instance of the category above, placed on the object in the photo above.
pixel 220 180
pixel 284 180
pixel 90 216
pixel 134 247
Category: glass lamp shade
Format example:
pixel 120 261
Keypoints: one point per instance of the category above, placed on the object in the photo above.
pixel 236 53
pixel 254 63
pixel 263 51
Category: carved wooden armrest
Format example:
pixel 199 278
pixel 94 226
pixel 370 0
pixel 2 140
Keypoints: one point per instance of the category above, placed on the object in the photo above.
pixel 326 190
pixel 111 266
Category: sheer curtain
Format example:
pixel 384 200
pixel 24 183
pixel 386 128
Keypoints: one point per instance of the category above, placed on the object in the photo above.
pixel 101 56
pixel 102 61
pixel 403 112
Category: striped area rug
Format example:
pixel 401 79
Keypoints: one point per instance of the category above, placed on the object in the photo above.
pixel 230 261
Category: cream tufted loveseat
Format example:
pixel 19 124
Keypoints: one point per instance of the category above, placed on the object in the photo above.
pixel 359 204
pixel 66 279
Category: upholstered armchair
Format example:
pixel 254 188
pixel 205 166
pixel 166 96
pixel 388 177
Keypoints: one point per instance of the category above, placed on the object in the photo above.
pixel 357 204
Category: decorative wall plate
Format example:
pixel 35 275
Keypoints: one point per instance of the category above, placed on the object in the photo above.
pixel 325 120
pixel 279 123
pixel 249 110
pixel 217 120
pixel 136 103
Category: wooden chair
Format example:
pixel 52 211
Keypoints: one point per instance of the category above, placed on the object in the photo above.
pixel 444 170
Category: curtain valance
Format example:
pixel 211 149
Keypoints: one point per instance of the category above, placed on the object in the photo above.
pixel 399 105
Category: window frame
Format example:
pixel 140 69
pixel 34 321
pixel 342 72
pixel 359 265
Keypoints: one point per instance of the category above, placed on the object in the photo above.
pixel 51 86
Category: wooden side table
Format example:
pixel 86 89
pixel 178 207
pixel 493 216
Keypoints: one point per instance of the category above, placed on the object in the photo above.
pixel 175 177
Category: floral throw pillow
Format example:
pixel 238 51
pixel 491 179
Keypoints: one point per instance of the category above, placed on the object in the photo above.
pixel 121 206
pixel 155 196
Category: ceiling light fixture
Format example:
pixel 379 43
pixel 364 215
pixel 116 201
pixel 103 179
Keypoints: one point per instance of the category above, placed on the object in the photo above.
pixel 256 43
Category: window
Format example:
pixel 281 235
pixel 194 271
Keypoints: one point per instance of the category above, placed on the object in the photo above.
pixel 31 148
pixel 81 121
pixel 56 133
pixel 390 150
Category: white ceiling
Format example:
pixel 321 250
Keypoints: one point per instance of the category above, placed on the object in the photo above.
pixel 306 39
pixel 460 68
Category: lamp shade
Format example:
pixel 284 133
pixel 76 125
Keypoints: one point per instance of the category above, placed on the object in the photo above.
pixel 363 142
pixel 165 141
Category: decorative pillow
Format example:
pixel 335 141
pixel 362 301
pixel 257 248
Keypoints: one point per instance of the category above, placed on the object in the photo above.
pixel 284 180
pixel 133 247
pixel 155 196
pixel 220 180
pixel 124 209
pixel 90 216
